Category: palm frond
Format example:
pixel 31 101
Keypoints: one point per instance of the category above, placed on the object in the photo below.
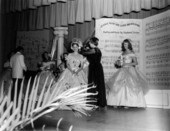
pixel 31 105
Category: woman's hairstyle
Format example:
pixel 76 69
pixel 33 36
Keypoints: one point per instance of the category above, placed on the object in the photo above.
pixel 19 48
pixel 62 57
pixel 129 45
pixel 44 58
pixel 76 41
pixel 94 40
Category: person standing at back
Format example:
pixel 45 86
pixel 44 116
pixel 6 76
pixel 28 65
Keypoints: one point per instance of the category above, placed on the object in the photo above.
pixel 18 67
pixel 95 72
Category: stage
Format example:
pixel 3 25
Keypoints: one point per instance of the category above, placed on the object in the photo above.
pixel 120 119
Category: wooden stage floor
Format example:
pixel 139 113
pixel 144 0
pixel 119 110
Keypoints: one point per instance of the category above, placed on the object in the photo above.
pixel 120 119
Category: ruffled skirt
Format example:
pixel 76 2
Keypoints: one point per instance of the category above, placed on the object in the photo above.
pixel 68 80
pixel 127 87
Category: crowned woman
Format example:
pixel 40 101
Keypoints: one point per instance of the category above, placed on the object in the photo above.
pixel 73 75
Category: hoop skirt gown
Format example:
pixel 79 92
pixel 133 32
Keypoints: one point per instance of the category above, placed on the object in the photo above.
pixel 67 79
pixel 127 86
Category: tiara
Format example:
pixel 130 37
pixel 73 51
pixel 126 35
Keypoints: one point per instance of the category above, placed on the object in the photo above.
pixel 77 41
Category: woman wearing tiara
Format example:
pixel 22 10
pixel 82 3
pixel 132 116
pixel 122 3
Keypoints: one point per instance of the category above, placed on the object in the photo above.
pixel 73 75
pixel 127 86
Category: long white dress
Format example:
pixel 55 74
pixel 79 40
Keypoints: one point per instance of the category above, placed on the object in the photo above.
pixel 67 79
pixel 127 86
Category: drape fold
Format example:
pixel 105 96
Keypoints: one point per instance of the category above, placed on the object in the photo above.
pixel 52 1
pixel 80 11
pixel 45 2
pixel 96 9
pixel 24 4
pixel 30 4
pixel 58 14
pixel 71 12
pixel 37 2
pixel 107 8
pixel 87 10
pixel 63 15
pixel 39 22
pixel 52 15
pixel 136 6
pixel 46 17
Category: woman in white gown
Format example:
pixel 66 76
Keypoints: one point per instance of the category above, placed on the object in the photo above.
pixel 127 86
pixel 73 75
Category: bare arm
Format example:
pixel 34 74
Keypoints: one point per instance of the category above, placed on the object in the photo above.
pixel 46 64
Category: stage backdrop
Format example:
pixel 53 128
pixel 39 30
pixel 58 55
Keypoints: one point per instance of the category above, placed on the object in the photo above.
pixel 34 43
pixel 151 42
pixel 156 30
